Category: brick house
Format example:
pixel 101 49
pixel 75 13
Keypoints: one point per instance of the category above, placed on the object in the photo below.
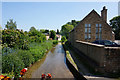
pixel 92 27
pixel 95 27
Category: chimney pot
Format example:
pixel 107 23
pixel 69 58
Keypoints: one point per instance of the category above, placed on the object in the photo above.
pixel 104 8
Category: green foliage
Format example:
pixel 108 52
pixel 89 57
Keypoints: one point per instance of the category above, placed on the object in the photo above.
pixel 17 60
pixel 68 27
pixel 11 62
pixel 32 29
pixel 63 39
pixel 36 36
pixel 52 34
pixel 73 22
pixel 15 38
pixel 55 41
pixel 115 23
pixel 38 49
pixel 20 49
pixel 11 25
pixel 44 31
pixel 26 57
pixel 19 39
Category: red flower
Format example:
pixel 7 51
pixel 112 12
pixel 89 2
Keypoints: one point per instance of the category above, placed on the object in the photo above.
pixel 23 70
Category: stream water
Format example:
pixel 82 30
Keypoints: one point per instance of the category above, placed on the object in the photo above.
pixel 54 63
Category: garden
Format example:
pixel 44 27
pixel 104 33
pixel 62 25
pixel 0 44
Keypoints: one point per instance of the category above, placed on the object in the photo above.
pixel 20 49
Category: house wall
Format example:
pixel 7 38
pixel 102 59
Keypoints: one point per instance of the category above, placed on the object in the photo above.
pixel 93 20
pixel 47 37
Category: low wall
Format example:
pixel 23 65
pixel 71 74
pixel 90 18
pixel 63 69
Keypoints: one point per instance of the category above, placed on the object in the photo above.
pixel 73 70
pixel 112 59
pixel 107 58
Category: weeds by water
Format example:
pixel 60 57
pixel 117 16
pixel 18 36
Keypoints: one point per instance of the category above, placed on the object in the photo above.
pixel 14 62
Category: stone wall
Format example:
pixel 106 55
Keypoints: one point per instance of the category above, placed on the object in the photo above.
pixel 107 58
pixel 112 59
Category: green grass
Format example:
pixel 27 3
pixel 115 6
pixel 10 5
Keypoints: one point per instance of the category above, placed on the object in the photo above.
pixel 71 59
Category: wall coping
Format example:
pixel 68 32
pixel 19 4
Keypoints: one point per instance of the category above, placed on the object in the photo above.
pixel 112 47
pixel 88 43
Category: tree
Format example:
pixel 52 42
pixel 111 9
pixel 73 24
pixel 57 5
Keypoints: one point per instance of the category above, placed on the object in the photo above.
pixel 73 22
pixel 36 36
pixel 11 25
pixel 42 30
pixel 115 23
pixel 52 34
pixel 46 31
pixel 57 31
pixel 66 29
pixel 32 29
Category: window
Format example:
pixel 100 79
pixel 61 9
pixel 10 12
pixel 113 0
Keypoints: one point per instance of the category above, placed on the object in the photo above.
pixel 96 36
pixel 100 25
pixel 89 25
pixel 98 31
pixel 89 36
pixel 85 30
pixel 85 36
pixel 100 36
pixel 85 25
pixel 96 25
pixel 89 30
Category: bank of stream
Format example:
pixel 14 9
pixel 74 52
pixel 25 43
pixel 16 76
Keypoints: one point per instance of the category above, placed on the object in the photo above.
pixel 53 62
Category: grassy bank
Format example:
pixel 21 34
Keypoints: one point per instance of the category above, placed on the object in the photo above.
pixel 69 56
pixel 17 59
pixel 90 68
pixel 83 61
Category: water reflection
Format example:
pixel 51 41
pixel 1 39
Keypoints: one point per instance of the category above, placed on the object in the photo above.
pixel 53 63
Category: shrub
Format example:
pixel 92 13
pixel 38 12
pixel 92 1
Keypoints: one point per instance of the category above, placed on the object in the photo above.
pixel 55 41
pixel 38 49
pixel 63 39
pixel 36 54
pixel 17 59
pixel 12 62
pixel 15 39
pixel 26 57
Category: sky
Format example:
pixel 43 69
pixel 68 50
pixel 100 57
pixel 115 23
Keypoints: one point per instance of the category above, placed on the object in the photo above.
pixel 119 8
pixel 51 15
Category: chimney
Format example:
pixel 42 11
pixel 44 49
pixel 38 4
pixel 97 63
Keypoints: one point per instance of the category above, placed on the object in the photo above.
pixel 104 14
